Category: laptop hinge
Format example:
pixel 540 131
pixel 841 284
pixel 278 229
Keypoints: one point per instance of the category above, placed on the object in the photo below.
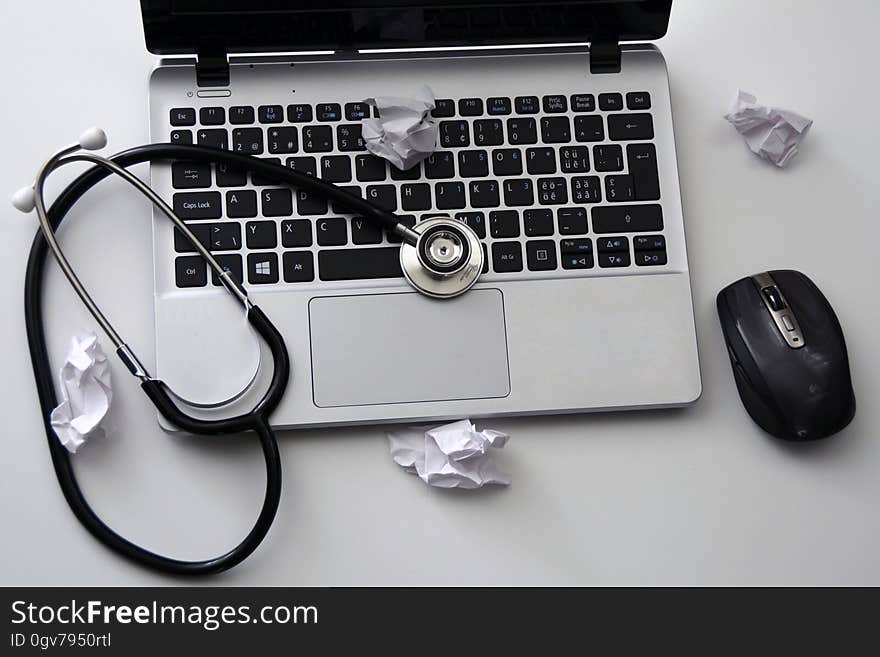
pixel 605 56
pixel 212 68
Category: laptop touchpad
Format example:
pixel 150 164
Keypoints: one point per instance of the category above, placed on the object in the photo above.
pixel 392 348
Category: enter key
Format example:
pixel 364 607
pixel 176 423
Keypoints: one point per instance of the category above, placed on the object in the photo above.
pixel 642 159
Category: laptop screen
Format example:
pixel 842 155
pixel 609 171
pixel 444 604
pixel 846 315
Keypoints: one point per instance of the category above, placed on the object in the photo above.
pixel 185 26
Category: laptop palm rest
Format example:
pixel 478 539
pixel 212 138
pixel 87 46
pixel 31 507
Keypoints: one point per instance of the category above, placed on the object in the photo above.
pixel 398 348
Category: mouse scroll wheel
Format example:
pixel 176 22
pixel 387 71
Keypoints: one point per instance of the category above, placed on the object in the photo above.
pixel 774 298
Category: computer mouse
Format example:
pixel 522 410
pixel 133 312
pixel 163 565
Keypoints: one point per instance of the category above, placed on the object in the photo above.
pixel 788 355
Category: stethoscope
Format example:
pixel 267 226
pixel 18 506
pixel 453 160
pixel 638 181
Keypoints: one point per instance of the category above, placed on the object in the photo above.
pixel 440 257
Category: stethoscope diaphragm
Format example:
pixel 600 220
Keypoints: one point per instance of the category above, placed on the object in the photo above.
pixel 446 260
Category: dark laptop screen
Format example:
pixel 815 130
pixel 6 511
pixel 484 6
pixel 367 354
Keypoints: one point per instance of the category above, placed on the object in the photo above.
pixel 183 26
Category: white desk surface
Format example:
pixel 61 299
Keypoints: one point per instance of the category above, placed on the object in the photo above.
pixel 681 497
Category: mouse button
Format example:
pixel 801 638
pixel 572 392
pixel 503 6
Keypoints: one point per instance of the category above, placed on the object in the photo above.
pixel 774 298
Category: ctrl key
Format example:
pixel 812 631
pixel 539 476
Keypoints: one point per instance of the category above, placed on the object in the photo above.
pixel 190 271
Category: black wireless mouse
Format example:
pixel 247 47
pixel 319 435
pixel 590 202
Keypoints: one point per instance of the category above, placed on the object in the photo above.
pixel 788 355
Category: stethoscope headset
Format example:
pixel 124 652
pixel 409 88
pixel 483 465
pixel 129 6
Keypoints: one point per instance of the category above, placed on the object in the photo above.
pixel 440 257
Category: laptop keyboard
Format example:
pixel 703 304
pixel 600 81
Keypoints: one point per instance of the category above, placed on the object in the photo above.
pixel 558 183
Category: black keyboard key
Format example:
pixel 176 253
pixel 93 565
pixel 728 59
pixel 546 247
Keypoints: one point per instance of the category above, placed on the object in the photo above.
pixel 473 164
pixel 586 189
pixel 476 220
pixel 642 159
pixel 332 232
pixel 440 164
pixel 470 107
pixel 608 158
pixel 607 260
pixel 296 232
pixel 541 255
pixel 572 221
pixel 498 106
pixel 555 129
pixel 527 105
pixel 270 113
pixel 552 191
pixel 369 168
pixel 538 223
pixel 299 113
pixel 485 258
pixel 504 223
pixel 488 132
pixel 649 243
pixel 610 102
pixel 630 127
pixel 385 196
pixel 308 203
pixel 353 190
pixel 627 219
pixel 230 177
pixel 349 137
pixel 304 164
pixel 583 103
pixel 229 262
pixel 283 140
pixel 541 160
pixel 619 189
pixel 518 191
pixel 213 138
pixel 449 195
pixel 443 108
pixel 612 244
pixel 248 141
pixel 262 180
pixel 198 205
pixel 299 266
pixel 261 235
pixel 407 220
pixel 576 254
pixel 638 100
pixel 336 168
pixel 190 271
pixel 182 116
pixel 484 194
pixel 454 134
pixel 507 162
pixel 212 116
pixel 277 202
pixel 555 104
pixel 413 173
pixel 522 131
pixel 262 268
pixel 416 196
pixel 202 233
pixel 356 111
pixel 574 159
pixel 317 138
pixel 241 203
pixel 364 231
pixel 190 175
pixel 181 137
pixel 241 115
pixel 650 258
pixel 354 264
pixel 328 111
pixel 589 128
pixel 507 257
pixel 225 237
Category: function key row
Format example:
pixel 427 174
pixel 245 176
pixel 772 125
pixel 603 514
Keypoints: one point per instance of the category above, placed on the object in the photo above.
pixel 247 115
pixel 445 108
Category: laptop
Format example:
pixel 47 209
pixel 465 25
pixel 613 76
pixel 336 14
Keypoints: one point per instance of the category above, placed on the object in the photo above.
pixel 555 145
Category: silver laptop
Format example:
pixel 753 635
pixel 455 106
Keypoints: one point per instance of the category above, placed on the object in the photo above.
pixel 561 157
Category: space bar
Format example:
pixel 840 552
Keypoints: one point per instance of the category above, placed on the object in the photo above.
pixel 347 264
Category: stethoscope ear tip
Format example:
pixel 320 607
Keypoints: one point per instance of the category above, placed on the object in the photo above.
pixel 23 200
pixel 93 139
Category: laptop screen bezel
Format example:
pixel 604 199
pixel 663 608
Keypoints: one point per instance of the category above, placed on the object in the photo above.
pixel 242 26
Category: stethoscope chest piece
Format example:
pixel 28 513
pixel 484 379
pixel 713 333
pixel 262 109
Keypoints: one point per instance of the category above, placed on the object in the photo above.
pixel 446 260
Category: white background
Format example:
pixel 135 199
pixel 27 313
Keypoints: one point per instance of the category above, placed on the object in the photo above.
pixel 681 497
